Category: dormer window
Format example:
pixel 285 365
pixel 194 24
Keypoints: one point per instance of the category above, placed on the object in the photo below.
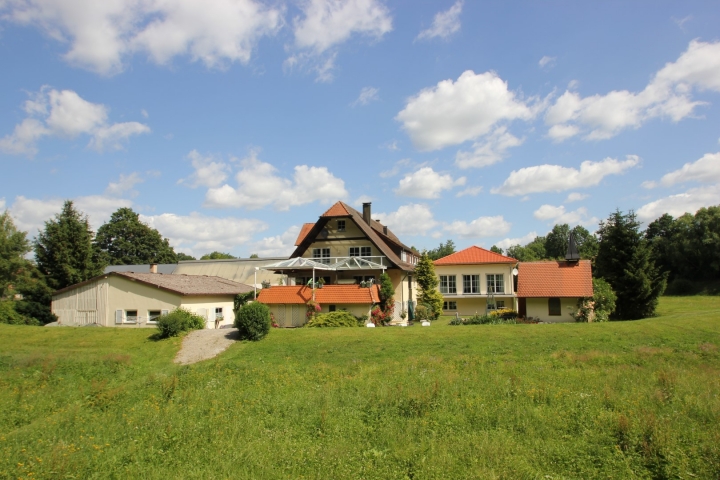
pixel 341 225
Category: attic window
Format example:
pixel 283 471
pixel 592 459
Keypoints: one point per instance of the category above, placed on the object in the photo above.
pixel 554 307
pixel 341 225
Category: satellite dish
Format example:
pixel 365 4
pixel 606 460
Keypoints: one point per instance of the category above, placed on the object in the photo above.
pixel 515 272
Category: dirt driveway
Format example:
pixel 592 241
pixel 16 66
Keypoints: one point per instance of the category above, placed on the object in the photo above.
pixel 203 344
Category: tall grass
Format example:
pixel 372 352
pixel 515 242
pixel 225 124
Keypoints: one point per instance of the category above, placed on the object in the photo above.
pixel 612 400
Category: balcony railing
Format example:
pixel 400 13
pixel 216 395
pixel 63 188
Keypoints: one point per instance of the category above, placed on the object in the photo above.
pixel 379 259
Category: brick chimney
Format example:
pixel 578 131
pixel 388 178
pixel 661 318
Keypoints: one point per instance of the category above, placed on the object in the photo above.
pixel 367 213
pixel 153 268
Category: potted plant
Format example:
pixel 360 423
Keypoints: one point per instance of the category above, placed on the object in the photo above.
pixel 320 282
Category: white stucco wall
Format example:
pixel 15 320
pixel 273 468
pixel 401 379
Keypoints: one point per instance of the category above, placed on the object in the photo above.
pixel 538 308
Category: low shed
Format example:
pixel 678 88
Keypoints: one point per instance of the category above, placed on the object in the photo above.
pixel 288 303
pixel 123 299
pixel 550 291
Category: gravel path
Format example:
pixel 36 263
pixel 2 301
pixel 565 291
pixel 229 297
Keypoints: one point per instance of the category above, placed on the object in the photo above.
pixel 200 345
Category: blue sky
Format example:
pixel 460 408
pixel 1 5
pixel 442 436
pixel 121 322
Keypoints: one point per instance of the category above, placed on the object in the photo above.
pixel 227 124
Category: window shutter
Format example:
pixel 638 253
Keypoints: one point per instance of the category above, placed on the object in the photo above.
pixel 118 316
pixel 203 313
pixel 164 312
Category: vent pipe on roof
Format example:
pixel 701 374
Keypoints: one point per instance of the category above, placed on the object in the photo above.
pixel 385 230
pixel 153 268
pixel 367 209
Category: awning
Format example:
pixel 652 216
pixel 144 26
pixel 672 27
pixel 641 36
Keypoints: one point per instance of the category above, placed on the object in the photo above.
pixel 357 263
pixel 297 263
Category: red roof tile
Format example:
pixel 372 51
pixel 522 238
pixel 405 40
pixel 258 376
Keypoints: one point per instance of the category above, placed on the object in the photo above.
pixel 555 279
pixel 473 255
pixel 303 232
pixel 329 294
pixel 337 210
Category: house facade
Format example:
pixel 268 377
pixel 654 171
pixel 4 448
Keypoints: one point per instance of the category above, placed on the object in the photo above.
pixel 550 291
pixel 352 249
pixel 476 280
pixel 129 299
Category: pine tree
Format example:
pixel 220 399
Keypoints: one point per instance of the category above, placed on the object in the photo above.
pixel 624 260
pixel 64 251
pixel 125 240
pixel 387 292
pixel 428 282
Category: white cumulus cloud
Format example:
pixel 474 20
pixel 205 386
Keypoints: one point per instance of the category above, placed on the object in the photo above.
pixel 669 95
pixel 547 61
pixel 325 24
pixel 479 228
pixel 556 178
pixel 677 205
pixel 102 35
pixel 259 185
pixel 125 186
pixel 576 197
pixel 64 114
pixel 454 112
pixel 427 183
pixel 209 172
pixel 704 170
pixel 511 242
pixel 412 219
pixel 559 215
pixel 277 245
pixel 444 23
pixel 490 150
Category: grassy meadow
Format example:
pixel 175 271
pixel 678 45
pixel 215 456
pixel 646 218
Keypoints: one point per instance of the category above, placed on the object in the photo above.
pixel 615 400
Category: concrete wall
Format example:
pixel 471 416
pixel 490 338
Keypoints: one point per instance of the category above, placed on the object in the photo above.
pixel 538 308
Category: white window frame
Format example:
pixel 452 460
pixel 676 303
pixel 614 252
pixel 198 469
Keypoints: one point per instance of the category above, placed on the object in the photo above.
pixel 150 318
pixel 448 284
pixel 450 305
pixel 473 282
pixel 321 255
pixel 126 316
pixel 341 225
pixel 493 286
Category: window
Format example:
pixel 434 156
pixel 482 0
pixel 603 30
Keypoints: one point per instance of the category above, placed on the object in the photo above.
pixel 449 305
pixel 447 284
pixel 471 283
pixel 131 316
pixel 153 315
pixel 498 305
pixel 554 307
pixel 341 225
pixel 331 308
pixel 360 251
pixel 321 255
pixel 495 283
pixel 219 312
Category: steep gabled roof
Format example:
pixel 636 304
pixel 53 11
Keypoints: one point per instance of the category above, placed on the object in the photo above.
pixel 180 284
pixel 375 233
pixel 303 232
pixel 473 255
pixel 330 294
pixel 555 279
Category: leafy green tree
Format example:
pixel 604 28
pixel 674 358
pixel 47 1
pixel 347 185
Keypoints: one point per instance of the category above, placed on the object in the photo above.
pixel 14 245
pixel 254 255
pixel 387 292
pixel 624 260
pixel 531 252
pixel 184 256
pixel 556 242
pixel 64 249
pixel 217 256
pixel 604 300
pixel 496 249
pixel 443 250
pixel 429 294
pixel 125 240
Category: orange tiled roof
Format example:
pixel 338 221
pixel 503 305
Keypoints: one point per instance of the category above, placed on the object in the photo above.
pixel 303 232
pixel 337 210
pixel 472 255
pixel 555 279
pixel 329 294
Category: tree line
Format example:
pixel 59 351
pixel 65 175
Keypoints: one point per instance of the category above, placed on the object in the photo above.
pixel 674 255
pixel 67 251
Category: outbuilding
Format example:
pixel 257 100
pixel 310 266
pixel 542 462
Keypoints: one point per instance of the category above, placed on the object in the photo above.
pixel 129 299
pixel 550 291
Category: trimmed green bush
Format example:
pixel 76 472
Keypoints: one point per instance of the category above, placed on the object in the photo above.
pixel 178 321
pixel 333 319
pixel 253 321
pixel 9 315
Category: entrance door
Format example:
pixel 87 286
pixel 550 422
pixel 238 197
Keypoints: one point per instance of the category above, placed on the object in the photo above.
pixel 522 307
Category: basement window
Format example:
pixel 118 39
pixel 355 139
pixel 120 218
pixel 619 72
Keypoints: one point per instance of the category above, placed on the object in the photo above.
pixel 449 305
pixel 153 315
pixel 131 316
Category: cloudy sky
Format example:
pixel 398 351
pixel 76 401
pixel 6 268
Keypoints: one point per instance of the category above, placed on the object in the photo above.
pixel 229 123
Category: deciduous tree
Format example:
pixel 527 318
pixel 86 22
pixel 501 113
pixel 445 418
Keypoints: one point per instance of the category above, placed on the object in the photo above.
pixel 125 240
pixel 217 256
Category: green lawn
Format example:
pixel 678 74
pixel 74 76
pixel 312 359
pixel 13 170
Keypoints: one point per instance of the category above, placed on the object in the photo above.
pixel 615 400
